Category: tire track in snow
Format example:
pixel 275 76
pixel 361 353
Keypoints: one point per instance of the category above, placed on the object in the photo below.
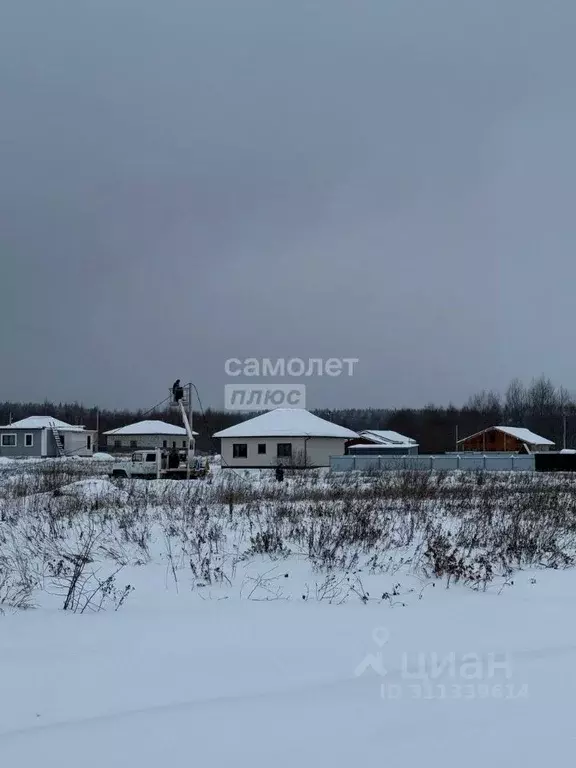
pixel 393 674
pixel 182 706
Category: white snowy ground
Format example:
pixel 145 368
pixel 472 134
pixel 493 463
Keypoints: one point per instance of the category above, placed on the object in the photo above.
pixel 181 676
pixel 174 679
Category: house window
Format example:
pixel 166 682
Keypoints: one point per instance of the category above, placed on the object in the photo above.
pixel 261 448
pixel 89 442
pixel 173 443
pixel 240 450
pixel 164 443
pixel 284 450
pixel 133 444
pixel 29 440
pixel 184 444
pixel 117 443
pixel 8 441
pixel 61 438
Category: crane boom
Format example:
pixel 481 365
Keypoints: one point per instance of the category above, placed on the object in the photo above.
pixel 191 441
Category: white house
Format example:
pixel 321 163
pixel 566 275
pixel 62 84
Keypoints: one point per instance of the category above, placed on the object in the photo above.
pixel 151 433
pixel 45 436
pixel 288 436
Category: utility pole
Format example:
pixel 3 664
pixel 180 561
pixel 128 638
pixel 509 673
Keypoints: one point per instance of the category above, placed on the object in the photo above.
pixel 564 431
pixel 191 445
pixel 456 444
pixel 97 429
pixel 190 406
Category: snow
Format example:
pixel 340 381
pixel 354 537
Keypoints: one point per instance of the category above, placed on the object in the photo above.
pixel 287 422
pixel 149 427
pixel 525 435
pixel 234 682
pixel 42 422
pixel 222 675
pixel 387 436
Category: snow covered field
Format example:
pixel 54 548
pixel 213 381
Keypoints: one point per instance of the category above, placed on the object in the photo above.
pixel 243 622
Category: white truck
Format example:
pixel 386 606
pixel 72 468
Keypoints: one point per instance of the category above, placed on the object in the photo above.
pixel 157 464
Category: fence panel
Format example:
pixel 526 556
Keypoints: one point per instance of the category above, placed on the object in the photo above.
pixel 449 462
pixel 444 463
pixel 523 463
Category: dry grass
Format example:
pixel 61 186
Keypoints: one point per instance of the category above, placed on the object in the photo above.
pixel 59 534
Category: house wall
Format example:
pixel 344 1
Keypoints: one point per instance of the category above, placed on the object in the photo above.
pixel 75 443
pixel 374 449
pixel 313 451
pixel 51 449
pixel 20 450
pixel 387 448
pixel 492 440
pixel 135 442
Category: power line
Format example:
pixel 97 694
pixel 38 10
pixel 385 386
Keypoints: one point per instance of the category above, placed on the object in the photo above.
pixel 212 438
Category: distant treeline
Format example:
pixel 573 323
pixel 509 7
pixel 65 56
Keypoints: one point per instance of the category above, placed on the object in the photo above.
pixel 541 406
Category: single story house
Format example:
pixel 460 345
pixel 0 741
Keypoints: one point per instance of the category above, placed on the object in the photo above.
pixel 381 442
pixel 45 437
pixel 151 433
pixel 289 436
pixel 505 439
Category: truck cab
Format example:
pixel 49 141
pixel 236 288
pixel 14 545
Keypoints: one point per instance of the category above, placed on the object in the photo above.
pixel 143 464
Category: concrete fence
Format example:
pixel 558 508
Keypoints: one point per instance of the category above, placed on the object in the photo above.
pixel 502 463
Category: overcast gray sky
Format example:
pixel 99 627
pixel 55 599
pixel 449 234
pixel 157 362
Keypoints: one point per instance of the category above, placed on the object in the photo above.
pixel 191 180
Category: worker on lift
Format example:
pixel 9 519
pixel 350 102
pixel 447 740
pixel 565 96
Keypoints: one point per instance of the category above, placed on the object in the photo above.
pixel 177 391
